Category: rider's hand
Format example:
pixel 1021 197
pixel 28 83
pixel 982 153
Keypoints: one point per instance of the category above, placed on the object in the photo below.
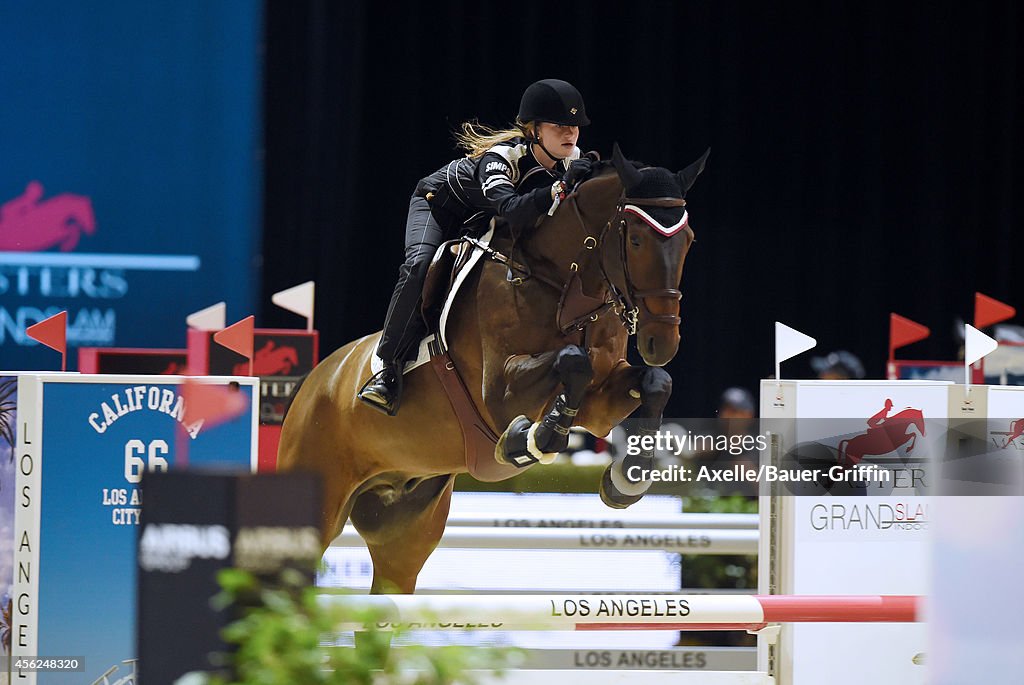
pixel 577 171
pixel 559 190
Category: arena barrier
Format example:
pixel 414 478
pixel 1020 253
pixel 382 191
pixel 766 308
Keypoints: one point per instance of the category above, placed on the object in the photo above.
pixel 623 612
pixel 682 541
pixel 510 519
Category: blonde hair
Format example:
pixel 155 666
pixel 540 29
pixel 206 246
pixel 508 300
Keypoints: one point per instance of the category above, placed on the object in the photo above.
pixel 476 138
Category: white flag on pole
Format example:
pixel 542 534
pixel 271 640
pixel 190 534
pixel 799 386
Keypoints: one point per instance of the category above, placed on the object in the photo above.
pixel 977 344
pixel 789 342
pixel 213 318
pixel 298 299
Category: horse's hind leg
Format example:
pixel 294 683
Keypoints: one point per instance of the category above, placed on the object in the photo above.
pixel 402 528
pixel 525 442
pixel 620 486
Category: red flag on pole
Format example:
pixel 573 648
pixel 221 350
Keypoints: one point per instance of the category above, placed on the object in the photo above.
pixel 206 406
pixel 238 338
pixel 988 311
pixel 53 333
pixel 903 331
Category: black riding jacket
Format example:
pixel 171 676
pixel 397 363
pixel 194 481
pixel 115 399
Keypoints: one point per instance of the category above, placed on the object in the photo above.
pixel 506 181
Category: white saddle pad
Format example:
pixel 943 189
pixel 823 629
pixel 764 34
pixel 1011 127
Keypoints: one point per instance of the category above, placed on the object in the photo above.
pixel 423 354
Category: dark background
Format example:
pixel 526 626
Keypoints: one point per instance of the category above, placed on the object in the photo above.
pixel 864 156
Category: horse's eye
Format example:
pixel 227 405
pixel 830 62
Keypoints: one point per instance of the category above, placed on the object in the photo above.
pixel 634 240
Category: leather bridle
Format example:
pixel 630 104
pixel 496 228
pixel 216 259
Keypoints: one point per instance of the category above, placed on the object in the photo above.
pixel 631 304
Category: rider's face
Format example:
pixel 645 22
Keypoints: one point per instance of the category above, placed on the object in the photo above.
pixel 559 140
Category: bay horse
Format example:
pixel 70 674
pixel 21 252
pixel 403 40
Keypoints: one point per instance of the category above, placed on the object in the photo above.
pixel 539 334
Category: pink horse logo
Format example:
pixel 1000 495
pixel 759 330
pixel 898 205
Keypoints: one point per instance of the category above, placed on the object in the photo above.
pixel 270 361
pixel 28 225
pixel 885 434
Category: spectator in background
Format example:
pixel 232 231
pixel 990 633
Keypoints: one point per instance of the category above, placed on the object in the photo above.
pixel 736 403
pixel 837 366
pixel 736 419
pixel 737 416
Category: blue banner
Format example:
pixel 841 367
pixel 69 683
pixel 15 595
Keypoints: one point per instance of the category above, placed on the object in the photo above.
pixel 129 188
pixel 85 463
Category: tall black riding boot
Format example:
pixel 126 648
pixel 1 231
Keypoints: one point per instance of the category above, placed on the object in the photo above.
pixel 384 390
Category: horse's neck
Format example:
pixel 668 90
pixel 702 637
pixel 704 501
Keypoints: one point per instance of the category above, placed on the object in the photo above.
pixel 560 240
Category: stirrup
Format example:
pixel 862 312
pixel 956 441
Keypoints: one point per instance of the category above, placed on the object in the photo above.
pixel 371 395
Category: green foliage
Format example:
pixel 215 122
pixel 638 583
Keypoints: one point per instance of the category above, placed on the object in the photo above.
pixel 720 571
pixel 733 504
pixel 284 635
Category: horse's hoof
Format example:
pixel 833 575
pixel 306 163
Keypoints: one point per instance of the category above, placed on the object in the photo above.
pixel 610 494
pixel 513 446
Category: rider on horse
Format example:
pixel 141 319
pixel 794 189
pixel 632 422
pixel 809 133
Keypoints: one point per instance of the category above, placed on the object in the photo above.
pixel 518 174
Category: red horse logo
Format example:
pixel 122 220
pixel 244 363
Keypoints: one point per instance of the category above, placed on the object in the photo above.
pixel 28 225
pixel 174 369
pixel 1016 430
pixel 270 361
pixel 885 434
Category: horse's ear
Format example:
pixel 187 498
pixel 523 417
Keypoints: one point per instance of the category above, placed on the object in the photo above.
pixel 688 175
pixel 629 174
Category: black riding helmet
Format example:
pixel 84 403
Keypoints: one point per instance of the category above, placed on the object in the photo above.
pixel 554 101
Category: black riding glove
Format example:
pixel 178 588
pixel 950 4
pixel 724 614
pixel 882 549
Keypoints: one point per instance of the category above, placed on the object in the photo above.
pixel 577 171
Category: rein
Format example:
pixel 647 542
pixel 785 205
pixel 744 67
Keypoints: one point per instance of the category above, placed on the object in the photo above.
pixel 624 304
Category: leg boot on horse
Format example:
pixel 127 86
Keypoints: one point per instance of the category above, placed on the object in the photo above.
pixel 623 483
pixel 525 442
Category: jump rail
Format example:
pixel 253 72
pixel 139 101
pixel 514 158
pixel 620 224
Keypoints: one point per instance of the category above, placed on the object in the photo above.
pixel 510 519
pixel 702 541
pixel 624 612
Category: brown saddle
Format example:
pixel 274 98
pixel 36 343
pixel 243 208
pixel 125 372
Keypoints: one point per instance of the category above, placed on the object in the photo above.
pixel 449 259
pixel 478 438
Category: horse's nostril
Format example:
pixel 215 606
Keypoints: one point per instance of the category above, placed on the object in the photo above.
pixel 650 345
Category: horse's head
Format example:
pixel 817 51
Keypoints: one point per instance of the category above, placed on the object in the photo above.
pixel 652 232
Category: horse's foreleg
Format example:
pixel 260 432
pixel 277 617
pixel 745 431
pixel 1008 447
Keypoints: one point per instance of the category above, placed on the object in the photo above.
pixel 525 442
pixel 623 483
pixel 524 379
